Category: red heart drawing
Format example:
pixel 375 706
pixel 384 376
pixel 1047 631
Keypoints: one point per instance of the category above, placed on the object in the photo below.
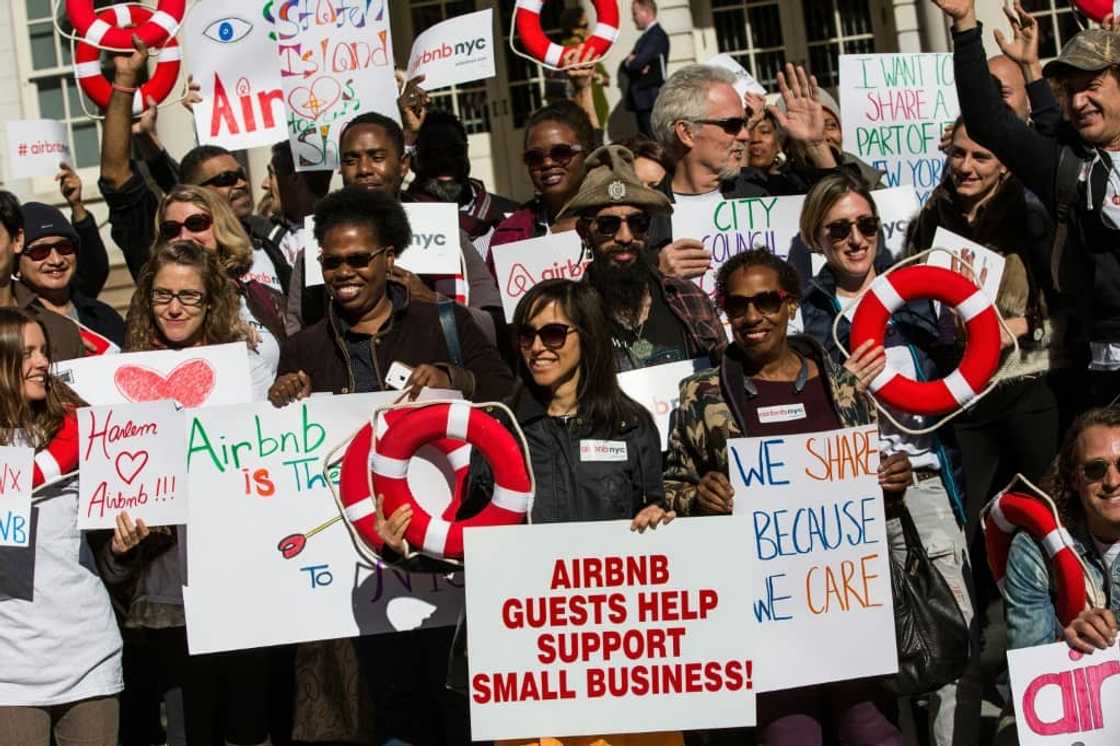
pixel 312 103
pixel 135 461
pixel 189 383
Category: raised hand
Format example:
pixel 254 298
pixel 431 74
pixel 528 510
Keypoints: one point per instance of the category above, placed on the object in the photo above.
pixel 1023 45
pixel 755 104
pixel 803 118
pixel 413 103
pixel 963 12
pixel 128 66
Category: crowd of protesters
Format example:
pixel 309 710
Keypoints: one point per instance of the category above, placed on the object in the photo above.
pixel 1030 173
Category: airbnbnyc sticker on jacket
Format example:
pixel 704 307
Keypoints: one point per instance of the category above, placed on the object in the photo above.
pixel 602 450
pixel 781 413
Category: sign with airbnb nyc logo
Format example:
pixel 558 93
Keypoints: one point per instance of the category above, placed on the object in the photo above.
pixel 458 50
pixel 36 147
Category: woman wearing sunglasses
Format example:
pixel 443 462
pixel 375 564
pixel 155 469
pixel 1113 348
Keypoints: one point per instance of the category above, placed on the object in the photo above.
pixel 839 220
pixel 196 214
pixel 59 643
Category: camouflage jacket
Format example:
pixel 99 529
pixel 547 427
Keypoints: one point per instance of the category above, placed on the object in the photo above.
pixel 710 413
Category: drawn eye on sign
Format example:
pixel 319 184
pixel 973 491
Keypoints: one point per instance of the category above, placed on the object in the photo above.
pixel 228 30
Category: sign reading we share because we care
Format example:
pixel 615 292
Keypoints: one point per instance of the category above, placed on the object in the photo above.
pixel 822 582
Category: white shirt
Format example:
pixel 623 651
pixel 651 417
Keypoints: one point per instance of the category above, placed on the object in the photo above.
pixel 263 271
pixel 264 360
pixel 1109 553
pixel 698 199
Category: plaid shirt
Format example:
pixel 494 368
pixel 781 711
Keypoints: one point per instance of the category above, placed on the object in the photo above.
pixel 692 306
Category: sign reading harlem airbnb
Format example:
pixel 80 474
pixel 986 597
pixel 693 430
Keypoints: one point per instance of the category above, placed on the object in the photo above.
pixel 817 539
pixel 596 629
pixel 233 58
pixel 131 458
pixel 1064 697
pixel 522 264
pixel 458 50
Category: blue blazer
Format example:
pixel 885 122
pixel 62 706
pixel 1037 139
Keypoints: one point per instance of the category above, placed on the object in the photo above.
pixel 652 49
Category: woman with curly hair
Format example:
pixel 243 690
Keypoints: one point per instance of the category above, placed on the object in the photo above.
pixel 60 649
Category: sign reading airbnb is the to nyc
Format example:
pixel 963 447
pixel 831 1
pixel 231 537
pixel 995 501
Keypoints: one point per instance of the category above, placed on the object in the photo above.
pixel 458 50
pixel 521 265
pixel 1064 697
pixel 818 543
pixel 596 629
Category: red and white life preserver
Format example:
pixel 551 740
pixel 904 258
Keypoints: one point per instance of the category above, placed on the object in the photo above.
pixel 1095 9
pixel 87 65
pixel 527 16
pixel 981 354
pixel 460 421
pixel 1011 512
pixel 60 458
pixel 110 27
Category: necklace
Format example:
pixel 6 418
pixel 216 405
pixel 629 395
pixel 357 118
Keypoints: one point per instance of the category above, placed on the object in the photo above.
pixel 798 382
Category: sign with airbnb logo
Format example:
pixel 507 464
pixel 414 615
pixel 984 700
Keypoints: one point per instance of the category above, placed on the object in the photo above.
pixel 657 388
pixel 521 265
pixel 131 458
pixel 36 147
pixel 1064 697
pixel 458 50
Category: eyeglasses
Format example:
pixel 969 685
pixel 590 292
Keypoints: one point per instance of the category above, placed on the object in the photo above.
pixel 186 298
pixel 607 226
pixel 730 125
pixel 41 251
pixel 357 260
pixel 768 302
pixel 561 155
pixel 226 178
pixel 553 336
pixel 1095 470
pixel 197 223
pixel 868 225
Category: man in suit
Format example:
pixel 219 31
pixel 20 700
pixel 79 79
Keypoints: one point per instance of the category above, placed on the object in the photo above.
pixel 644 68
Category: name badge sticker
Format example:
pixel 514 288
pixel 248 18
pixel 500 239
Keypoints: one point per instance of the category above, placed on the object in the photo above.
pixel 781 413
pixel 602 450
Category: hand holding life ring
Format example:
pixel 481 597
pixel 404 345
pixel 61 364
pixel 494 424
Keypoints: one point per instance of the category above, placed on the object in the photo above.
pixel 111 28
pixel 527 21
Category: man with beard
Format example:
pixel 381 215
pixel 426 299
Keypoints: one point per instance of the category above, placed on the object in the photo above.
pixel 443 166
pixel 655 319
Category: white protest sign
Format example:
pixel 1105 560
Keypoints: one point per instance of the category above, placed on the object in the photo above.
pixel 458 50
pixel 730 227
pixel 522 264
pixel 131 458
pixel 985 263
pixel 15 495
pixel 257 491
pixel 36 147
pixel 1064 697
pixel 744 81
pixel 435 248
pixel 894 108
pixel 597 629
pixel 233 58
pixel 657 388
pixel 188 377
pixel 818 545
pixel 335 63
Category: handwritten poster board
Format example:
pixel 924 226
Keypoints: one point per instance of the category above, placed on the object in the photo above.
pixel 458 50
pixel 657 388
pixel 818 542
pixel 894 108
pixel 232 56
pixel 15 495
pixel 597 629
pixel 987 264
pixel 188 377
pixel 130 458
pixel 1064 697
pixel 335 63
pixel 256 482
pixel 522 264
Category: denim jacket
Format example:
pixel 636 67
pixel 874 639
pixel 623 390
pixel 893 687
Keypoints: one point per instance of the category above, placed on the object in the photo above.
pixel 1028 588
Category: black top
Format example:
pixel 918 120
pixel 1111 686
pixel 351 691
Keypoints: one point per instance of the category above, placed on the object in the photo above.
pixel 661 339
pixel 779 409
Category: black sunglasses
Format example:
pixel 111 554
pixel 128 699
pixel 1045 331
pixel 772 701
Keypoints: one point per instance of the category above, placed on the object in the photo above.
pixel 357 260
pixel 730 125
pixel 39 252
pixel 561 155
pixel 868 225
pixel 553 336
pixel 186 298
pixel 226 178
pixel 607 226
pixel 1095 470
pixel 768 302
pixel 169 229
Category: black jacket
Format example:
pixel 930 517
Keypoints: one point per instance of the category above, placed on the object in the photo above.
pixel 99 316
pixel 652 51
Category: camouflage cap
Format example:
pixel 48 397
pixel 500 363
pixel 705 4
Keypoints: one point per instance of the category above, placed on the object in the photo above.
pixel 609 180
pixel 1091 50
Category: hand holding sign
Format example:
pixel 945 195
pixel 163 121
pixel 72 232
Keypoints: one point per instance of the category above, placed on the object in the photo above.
pixel 127 535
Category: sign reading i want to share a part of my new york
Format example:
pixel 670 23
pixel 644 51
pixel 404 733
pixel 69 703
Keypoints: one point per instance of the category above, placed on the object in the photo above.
pixel 818 541
pixel 895 108
pixel 597 629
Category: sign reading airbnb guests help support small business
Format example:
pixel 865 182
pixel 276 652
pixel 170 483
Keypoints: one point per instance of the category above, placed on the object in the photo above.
pixel 1064 697
pixel 15 496
pixel 458 50
pixel 36 147
pixel 521 265
pixel 596 629
pixel 817 540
